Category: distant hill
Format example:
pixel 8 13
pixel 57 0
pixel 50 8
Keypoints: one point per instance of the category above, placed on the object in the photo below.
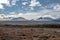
pixel 44 19
pixel 18 19
pixel 57 20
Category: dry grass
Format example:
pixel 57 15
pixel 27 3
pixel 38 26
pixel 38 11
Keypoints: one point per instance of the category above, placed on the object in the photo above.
pixel 29 33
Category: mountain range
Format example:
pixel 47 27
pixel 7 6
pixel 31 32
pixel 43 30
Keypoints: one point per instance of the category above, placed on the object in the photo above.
pixel 18 19
pixel 44 19
pixel 38 19
pixel 48 19
pixel 23 21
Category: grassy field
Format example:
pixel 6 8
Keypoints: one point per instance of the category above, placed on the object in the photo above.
pixel 30 32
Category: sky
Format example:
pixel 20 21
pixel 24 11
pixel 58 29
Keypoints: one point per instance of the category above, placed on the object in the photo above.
pixel 29 9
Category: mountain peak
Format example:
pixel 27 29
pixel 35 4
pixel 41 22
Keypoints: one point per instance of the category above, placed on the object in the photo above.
pixel 44 19
pixel 19 19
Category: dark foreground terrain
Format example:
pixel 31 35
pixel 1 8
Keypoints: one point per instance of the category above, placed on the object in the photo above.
pixel 32 32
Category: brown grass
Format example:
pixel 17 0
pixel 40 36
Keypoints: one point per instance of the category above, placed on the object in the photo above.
pixel 29 33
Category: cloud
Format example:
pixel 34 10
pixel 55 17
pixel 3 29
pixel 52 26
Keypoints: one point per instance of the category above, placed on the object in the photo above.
pixel 7 3
pixel 57 7
pixel 35 3
pixel 12 15
pixel 33 15
pixel 14 2
pixel 1 6
pixel 49 16
pixel 3 17
pixel 25 3
pixel 4 2
pixel 53 13
pixel 29 15
pixel 53 6
pixel 32 3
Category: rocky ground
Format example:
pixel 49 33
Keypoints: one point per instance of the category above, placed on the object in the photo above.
pixel 29 33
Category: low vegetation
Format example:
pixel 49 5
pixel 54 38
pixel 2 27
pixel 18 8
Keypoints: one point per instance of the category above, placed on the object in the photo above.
pixel 34 26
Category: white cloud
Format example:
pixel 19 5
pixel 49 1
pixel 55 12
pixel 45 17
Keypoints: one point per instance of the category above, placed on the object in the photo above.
pixel 1 6
pixel 14 2
pixel 55 14
pixel 12 14
pixel 33 15
pixel 35 3
pixel 7 3
pixel 57 7
pixel 29 15
pixel 49 16
pixel 25 3
pixel 26 15
pixel 4 2
pixel 2 17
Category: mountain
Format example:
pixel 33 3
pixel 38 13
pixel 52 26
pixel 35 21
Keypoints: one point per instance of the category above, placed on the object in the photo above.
pixel 44 19
pixel 57 20
pixel 18 19
pixel 47 19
